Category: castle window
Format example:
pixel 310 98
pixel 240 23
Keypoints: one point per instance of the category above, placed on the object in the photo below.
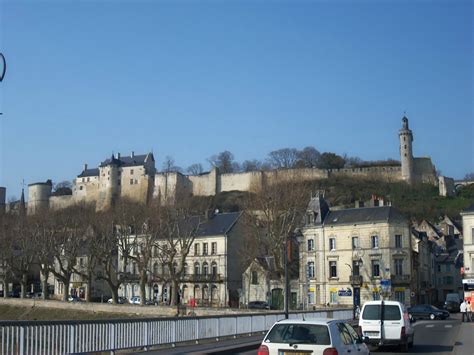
pixel 80 187
pixel 310 244
pixel 88 179
pixel 131 181
pixel 405 146
pixel 398 241
pixel 131 171
pixel 118 182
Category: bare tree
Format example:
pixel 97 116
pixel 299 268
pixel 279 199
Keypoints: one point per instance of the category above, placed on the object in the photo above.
pixel 308 157
pixel 285 158
pixel 71 226
pixel 224 161
pixel 251 165
pixel 63 188
pixel 195 169
pixel 469 176
pixel 169 165
pixel 273 214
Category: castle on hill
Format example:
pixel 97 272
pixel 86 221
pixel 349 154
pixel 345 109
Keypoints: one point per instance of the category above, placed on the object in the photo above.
pixel 135 177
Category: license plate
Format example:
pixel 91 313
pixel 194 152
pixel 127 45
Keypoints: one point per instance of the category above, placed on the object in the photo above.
pixel 293 352
pixel 371 334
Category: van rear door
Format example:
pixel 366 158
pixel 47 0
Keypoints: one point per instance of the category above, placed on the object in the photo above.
pixel 371 321
pixel 393 321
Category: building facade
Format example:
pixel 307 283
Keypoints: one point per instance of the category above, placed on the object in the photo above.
pixel 348 255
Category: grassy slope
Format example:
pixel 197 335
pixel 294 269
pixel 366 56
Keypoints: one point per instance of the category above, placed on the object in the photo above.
pixel 419 201
pixel 8 312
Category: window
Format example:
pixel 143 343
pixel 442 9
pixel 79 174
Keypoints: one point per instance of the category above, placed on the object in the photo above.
pixel 185 269
pixel 83 179
pixel 214 248
pixel 80 187
pixel 88 179
pixel 333 297
pixel 254 278
pixel 131 171
pixel 439 268
pixel 332 243
pixel 118 182
pixel 398 241
pixel 131 181
pixel 204 249
pixel 310 244
pixel 399 267
pixel 292 333
pixel 196 268
pixel 333 269
pixel 355 242
pixel 375 241
pixel 375 268
pixel 214 268
pixel 196 249
pixel 310 269
pixel 205 268
pixel 344 334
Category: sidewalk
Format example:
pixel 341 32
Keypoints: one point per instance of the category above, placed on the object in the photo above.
pixel 465 340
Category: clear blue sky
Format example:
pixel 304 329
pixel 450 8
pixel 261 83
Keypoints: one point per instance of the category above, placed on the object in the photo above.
pixel 192 78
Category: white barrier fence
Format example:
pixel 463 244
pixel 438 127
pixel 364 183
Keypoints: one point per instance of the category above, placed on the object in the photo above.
pixel 69 337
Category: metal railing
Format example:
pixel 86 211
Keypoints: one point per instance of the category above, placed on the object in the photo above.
pixel 70 337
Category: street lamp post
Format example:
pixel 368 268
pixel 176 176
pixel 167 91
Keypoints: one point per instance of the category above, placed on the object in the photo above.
pixel 353 283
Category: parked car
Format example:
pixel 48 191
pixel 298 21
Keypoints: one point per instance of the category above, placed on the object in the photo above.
pixel 14 294
pixel 397 328
pixel 38 295
pixel 74 299
pixel 135 300
pixel 258 305
pixel 120 300
pixel 312 335
pixel 427 311
pixel 452 303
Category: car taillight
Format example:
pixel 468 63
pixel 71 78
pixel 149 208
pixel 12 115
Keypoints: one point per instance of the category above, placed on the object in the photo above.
pixel 263 350
pixel 330 351
pixel 402 334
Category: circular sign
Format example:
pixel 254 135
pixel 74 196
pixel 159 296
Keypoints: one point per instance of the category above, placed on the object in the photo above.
pixel 412 294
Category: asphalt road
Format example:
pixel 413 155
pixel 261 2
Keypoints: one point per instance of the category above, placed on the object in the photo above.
pixel 431 337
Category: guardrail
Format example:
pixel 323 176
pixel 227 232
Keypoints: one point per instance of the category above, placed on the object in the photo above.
pixel 70 337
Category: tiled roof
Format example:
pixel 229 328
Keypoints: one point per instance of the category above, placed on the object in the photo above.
pixel 364 215
pixel 220 224
pixel 89 172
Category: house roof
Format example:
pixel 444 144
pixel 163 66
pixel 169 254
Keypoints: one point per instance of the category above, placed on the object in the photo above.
pixel 136 160
pixel 89 172
pixel 469 209
pixel 364 215
pixel 219 224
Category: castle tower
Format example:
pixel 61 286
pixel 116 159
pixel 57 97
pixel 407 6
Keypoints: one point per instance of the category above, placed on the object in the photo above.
pixel 38 196
pixel 109 171
pixel 406 151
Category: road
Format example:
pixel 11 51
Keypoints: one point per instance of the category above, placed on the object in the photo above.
pixel 431 337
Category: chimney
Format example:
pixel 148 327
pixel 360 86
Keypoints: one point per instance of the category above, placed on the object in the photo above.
pixel 133 154
pixel 85 167
pixel 118 156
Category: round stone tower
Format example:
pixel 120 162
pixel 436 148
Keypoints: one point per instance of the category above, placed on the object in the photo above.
pixel 406 151
pixel 38 196
pixel 112 187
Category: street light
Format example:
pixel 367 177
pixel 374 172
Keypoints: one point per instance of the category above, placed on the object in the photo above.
pixel 296 235
pixel 353 283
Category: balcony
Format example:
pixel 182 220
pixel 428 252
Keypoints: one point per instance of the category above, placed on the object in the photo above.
pixel 203 278
pixel 356 280
pixel 400 279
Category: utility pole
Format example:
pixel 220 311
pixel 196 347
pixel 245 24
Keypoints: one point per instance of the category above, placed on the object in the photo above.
pixel 287 281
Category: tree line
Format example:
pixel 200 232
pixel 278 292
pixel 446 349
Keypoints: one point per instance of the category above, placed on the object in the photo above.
pixel 285 158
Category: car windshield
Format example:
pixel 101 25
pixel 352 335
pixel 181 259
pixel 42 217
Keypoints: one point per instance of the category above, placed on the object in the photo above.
pixel 299 334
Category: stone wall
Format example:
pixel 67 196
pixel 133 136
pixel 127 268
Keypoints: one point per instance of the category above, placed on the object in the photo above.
pixel 424 171
pixel 446 186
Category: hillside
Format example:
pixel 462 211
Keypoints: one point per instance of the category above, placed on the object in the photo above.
pixel 418 201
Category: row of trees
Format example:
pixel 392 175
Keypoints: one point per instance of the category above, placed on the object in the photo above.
pixel 52 243
pixel 285 158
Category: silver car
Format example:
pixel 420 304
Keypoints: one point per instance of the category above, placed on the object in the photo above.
pixel 315 336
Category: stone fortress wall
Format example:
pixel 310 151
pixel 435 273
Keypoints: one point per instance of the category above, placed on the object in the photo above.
pixel 116 178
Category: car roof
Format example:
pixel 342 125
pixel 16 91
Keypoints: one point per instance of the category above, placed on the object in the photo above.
pixel 390 303
pixel 319 321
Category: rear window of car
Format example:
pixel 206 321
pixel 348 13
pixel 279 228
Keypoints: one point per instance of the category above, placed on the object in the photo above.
pixel 299 334
pixel 372 312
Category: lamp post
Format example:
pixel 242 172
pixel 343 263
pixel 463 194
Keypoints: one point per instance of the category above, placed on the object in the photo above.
pixel 296 235
pixel 353 283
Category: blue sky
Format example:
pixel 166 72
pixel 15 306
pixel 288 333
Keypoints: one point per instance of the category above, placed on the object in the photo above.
pixel 190 79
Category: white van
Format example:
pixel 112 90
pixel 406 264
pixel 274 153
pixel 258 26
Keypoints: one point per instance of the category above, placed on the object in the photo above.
pixel 394 329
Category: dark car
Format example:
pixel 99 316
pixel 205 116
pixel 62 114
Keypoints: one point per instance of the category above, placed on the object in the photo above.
pixel 427 311
pixel 451 306
pixel 258 305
